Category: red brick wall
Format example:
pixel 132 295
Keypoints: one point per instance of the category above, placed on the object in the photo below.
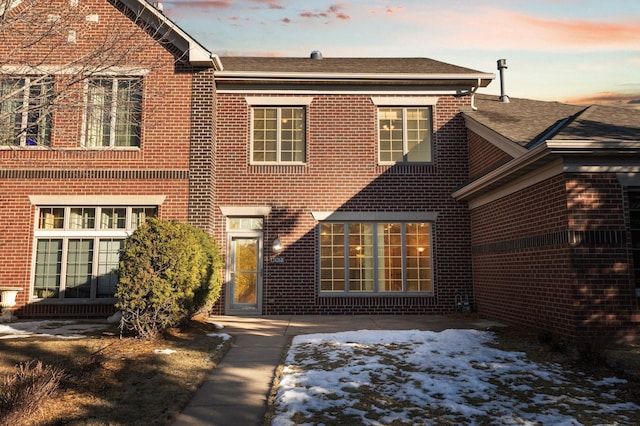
pixel 555 257
pixel 159 167
pixel 341 173
pixel 483 156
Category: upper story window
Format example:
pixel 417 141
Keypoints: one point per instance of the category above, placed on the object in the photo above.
pixel 113 112
pixel 278 135
pixel 25 110
pixel 405 135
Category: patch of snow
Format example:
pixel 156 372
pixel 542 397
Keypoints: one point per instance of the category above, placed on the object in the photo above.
pixel 50 328
pixel 453 372
pixel 164 351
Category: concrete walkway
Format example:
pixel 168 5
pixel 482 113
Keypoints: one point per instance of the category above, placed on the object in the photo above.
pixel 235 393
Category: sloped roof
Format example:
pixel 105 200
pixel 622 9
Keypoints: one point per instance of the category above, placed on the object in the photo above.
pixel 603 123
pixel 342 65
pixel 522 121
pixel 420 71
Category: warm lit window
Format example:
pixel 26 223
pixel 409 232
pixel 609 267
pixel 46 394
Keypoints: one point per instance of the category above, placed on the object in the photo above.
pixel 278 135
pixel 25 110
pixel 374 257
pixel 404 135
pixel 113 112
pixel 78 249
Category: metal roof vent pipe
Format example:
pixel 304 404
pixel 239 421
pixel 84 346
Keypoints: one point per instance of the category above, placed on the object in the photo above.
pixel 502 65
pixel 316 54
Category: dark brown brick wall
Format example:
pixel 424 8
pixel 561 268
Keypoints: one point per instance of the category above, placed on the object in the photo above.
pixel 483 156
pixel 341 173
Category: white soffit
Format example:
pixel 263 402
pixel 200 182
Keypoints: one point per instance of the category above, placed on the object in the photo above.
pixel 404 100
pixel 279 100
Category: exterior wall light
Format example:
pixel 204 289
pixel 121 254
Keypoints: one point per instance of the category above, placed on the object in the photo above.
pixel 276 246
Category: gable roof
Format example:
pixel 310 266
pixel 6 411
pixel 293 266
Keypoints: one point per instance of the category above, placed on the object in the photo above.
pixel 195 53
pixel 422 71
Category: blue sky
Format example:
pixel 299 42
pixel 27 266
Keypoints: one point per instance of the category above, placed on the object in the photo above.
pixel 565 50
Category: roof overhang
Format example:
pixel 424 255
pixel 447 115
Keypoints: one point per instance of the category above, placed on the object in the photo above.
pixel 195 53
pixel 292 78
pixel 566 155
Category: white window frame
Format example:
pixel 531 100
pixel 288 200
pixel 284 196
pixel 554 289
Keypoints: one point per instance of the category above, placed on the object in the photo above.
pixel 405 130
pixel 279 109
pixel 113 109
pixel 67 233
pixel 24 110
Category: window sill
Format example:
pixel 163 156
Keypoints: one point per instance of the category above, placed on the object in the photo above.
pixel 372 294
pixel 47 301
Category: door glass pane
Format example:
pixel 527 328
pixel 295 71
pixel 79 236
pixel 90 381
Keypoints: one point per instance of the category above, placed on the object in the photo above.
pixel 79 266
pixel 48 267
pixel 245 271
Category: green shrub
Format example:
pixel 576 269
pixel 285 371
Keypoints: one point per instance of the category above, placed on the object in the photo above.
pixel 168 271
pixel 23 391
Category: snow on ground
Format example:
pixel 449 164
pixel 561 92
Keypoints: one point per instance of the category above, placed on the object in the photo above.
pixel 50 328
pixel 423 378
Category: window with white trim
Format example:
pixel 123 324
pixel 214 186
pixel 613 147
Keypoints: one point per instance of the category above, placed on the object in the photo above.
pixel 25 110
pixel 405 135
pixel 113 112
pixel 375 258
pixel 77 249
pixel 278 135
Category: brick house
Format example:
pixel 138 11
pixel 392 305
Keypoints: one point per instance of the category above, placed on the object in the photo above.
pixel 89 147
pixel 333 185
pixel 554 198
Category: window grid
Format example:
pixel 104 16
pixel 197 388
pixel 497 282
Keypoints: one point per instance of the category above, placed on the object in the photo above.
pixel 113 112
pixel 404 135
pixel 381 258
pixel 278 135
pixel 76 256
pixel 25 110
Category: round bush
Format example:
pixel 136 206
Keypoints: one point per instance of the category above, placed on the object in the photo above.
pixel 168 271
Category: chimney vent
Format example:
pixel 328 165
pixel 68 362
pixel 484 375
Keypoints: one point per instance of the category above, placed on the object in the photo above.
pixel 316 55
pixel 502 65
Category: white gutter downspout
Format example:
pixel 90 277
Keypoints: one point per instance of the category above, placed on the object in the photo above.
pixel 473 96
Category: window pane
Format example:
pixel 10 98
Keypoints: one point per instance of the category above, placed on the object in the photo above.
pixel 418 255
pixel 265 125
pixel 419 135
pixel 99 102
pixel 38 130
pixel 245 222
pixel 48 267
pixel 140 214
pixel 108 259
pixel 11 109
pixel 390 257
pixel 82 218
pixel 79 269
pixel 51 218
pixel 360 257
pixel 113 218
pixel 390 136
pixel 128 112
pixel 332 257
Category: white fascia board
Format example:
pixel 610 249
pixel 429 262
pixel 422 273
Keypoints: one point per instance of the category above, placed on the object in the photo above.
pixel 246 211
pixel 501 142
pixel 279 100
pixel 197 54
pixel 404 100
pixel 582 146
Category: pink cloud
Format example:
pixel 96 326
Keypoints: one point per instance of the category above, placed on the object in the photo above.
pixel 201 4
pixel 334 11
pixel 610 98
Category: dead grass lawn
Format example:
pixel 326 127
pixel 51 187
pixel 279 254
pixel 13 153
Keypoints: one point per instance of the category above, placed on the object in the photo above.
pixel 116 381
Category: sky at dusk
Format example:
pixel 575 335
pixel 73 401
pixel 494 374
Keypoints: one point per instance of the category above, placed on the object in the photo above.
pixel 564 50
